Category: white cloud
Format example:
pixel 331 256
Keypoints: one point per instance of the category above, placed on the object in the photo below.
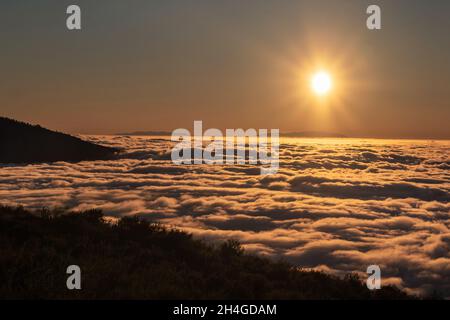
pixel 334 205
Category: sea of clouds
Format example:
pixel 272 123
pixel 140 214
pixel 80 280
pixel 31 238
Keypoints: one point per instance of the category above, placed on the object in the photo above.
pixel 334 205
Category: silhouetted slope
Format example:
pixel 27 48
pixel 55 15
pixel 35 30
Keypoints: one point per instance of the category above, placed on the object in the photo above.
pixel 24 143
pixel 134 259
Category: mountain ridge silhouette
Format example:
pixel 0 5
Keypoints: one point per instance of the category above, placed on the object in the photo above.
pixel 22 142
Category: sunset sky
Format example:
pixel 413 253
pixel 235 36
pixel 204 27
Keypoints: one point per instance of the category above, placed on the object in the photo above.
pixel 160 65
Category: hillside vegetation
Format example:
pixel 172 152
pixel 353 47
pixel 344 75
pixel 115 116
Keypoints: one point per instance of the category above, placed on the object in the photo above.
pixel 135 259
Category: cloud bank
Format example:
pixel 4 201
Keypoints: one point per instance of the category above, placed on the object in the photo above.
pixel 335 205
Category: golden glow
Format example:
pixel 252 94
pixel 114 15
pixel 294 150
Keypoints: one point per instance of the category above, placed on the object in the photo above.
pixel 321 83
pixel 320 87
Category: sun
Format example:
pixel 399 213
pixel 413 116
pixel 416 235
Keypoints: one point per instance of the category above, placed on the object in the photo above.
pixel 321 83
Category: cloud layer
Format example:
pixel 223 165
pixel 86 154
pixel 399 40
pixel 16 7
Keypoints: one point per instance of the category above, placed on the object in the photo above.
pixel 335 205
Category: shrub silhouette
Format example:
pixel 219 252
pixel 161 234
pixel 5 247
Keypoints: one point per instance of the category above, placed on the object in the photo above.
pixel 136 259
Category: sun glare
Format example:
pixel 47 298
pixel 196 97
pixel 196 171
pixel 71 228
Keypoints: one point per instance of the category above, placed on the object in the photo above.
pixel 321 83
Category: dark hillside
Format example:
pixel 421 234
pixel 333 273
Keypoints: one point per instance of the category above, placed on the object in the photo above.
pixel 135 259
pixel 24 143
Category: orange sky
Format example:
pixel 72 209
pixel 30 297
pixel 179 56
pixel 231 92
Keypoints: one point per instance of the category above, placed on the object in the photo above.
pixel 146 65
